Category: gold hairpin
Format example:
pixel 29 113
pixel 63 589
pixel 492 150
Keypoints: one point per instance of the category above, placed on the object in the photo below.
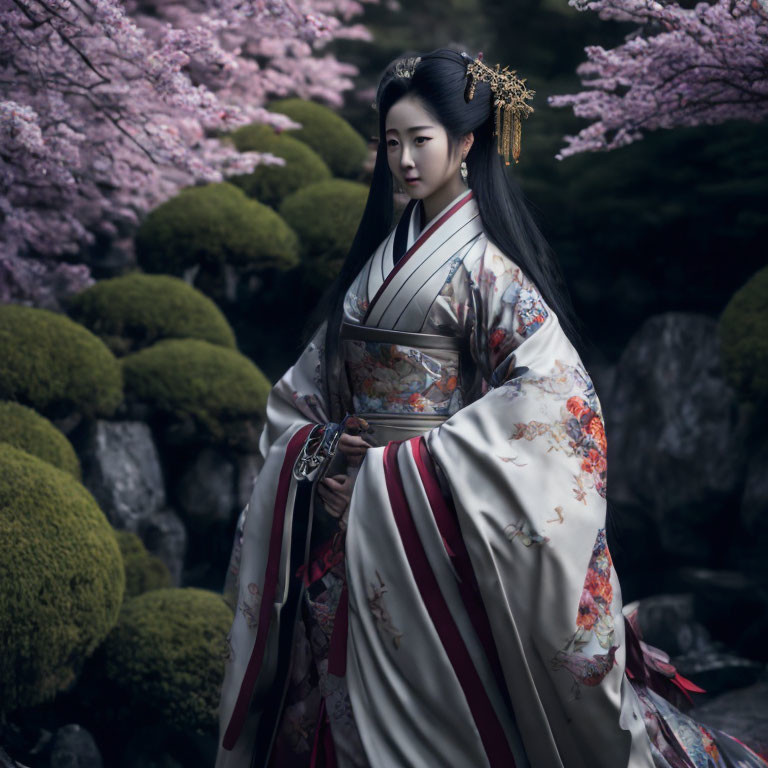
pixel 510 96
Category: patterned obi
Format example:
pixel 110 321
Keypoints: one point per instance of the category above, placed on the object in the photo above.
pixel 410 379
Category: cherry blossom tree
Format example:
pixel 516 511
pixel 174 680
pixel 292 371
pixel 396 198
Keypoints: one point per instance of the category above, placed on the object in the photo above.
pixel 107 108
pixel 681 67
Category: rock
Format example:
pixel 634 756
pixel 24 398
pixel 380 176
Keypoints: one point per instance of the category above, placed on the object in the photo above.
pixel 247 469
pixel 742 713
pixel 74 747
pixel 731 605
pixel 121 468
pixel 165 536
pixel 206 491
pixel 6 761
pixel 716 670
pixel 754 515
pixel 668 622
pixel 676 434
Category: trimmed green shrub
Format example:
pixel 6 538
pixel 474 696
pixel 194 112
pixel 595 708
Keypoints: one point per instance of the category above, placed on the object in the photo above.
pixel 326 216
pixel 52 364
pixel 194 379
pixel 271 183
pixel 744 338
pixel 143 572
pixel 61 578
pixel 22 428
pixel 214 225
pixel 167 654
pixel 332 137
pixel 134 311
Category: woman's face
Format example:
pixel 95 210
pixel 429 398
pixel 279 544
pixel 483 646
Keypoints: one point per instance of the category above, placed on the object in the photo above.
pixel 420 156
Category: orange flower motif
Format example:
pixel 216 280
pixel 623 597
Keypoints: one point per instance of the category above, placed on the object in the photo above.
pixel 599 587
pixel 577 406
pixel 709 746
pixel 593 462
pixel 588 611
pixel 416 401
pixel 596 429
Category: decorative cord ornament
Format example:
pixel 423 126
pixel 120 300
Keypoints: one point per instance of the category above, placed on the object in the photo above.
pixel 510 97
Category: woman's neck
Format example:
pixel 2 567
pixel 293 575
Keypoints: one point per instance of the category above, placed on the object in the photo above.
pixel 435 203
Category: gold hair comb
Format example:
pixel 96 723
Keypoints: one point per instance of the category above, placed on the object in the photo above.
pixel 510 97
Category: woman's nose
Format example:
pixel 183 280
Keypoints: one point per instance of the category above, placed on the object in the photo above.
pixel 406 161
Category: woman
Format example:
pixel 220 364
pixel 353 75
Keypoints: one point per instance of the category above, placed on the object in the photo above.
pixel 424 577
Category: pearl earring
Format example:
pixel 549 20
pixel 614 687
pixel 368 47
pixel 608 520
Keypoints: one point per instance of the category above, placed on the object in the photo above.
pixel 463 170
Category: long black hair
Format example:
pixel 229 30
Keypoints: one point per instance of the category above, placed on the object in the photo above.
pixel 438 81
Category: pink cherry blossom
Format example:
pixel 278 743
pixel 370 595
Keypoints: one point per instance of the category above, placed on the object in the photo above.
pixel 681 67
pixel 109 107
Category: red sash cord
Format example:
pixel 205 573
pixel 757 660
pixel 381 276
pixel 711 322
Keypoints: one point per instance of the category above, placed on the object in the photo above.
pixel 271 576
pixel 492 734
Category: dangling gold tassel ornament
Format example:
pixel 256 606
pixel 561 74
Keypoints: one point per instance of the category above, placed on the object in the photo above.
pixel 507 132
pixel 497 126
pixel 469 91
pixel 517 134
pixel 510 101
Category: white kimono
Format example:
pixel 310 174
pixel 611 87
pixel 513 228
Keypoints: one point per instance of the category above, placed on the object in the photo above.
pixel 475 618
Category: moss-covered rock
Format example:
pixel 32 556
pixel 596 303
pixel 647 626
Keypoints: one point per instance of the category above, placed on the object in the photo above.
pixel 332 137
pixel 211 226
pixel 188 379
pixel 22 428
pixel 61 578
pixel 167 654
pixel 55 365
pixel 744 338
pixel 325 216
pixel 271 183
pixel 134 311
pixel 143 572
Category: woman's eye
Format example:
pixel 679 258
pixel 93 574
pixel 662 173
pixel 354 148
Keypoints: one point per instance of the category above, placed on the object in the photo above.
pixel 392 143
pixel 422 139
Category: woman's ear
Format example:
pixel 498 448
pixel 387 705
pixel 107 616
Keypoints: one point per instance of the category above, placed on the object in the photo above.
pixel 467 143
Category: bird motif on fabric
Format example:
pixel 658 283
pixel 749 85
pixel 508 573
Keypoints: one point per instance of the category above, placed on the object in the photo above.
pixel 586 670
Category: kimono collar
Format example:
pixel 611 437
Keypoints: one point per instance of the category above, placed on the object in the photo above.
pixel 429 251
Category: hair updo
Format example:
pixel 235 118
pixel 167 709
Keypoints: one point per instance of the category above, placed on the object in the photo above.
pixel 438 81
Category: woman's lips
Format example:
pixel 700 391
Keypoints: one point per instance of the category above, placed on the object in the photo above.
pixel 413 181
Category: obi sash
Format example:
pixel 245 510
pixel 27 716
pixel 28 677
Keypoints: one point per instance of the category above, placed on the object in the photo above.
pixel 402 384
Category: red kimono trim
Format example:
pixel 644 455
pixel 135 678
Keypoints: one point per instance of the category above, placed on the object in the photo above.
pixel 240 711
pixel 492 734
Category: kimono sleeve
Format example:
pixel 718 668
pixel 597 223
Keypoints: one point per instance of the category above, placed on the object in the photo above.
pixel 506 309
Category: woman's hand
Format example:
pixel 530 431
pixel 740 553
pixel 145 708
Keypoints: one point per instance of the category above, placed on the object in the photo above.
pixel 336 492
pixel 354 448
pixel 351 444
